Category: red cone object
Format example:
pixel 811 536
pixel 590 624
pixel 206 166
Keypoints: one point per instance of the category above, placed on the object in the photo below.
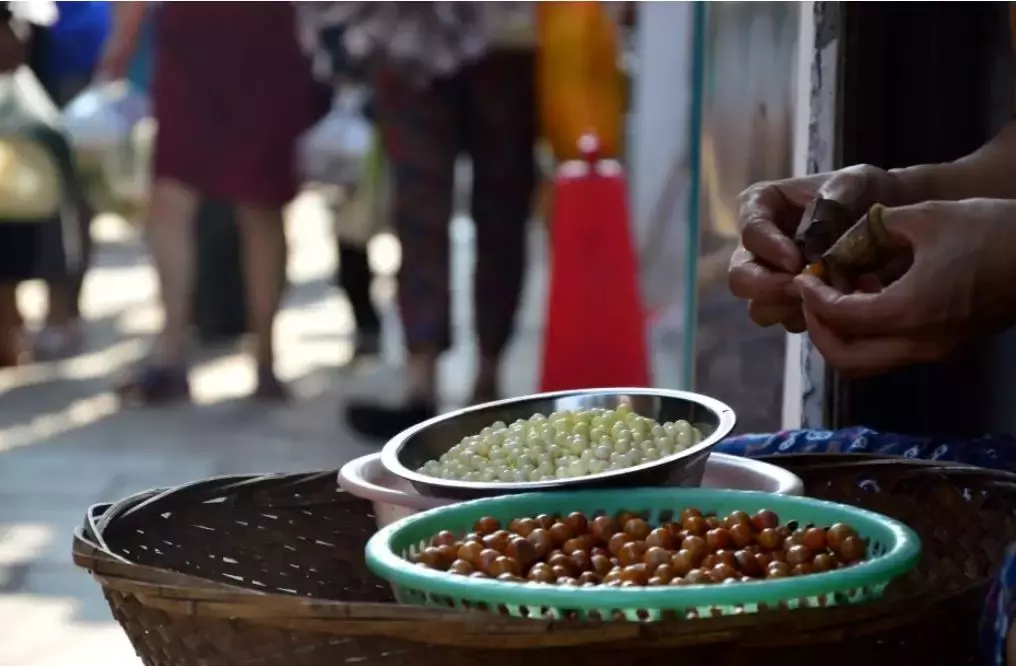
pixel 595 335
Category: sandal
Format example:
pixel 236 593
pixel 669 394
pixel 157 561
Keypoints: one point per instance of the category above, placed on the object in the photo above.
pixel 58 342
pixel 155 385
pixel 270 388
pixel 367 345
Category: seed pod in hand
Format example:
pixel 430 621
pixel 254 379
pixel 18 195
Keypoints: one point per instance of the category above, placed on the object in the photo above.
pixel 865 248
pixel 822 224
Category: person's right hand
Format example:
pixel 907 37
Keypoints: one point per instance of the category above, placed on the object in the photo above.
pixel 764 265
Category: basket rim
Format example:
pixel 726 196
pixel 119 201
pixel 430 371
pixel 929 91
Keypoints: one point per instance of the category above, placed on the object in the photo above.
pixel 195 596
pixel 901 557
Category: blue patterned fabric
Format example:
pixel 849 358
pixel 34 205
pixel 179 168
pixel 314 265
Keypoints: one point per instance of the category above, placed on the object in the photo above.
pixel 990 452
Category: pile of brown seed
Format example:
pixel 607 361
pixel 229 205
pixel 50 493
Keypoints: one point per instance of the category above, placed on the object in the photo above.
pixel 626 551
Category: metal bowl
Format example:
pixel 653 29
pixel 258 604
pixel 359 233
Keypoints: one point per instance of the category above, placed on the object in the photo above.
pixel 409 450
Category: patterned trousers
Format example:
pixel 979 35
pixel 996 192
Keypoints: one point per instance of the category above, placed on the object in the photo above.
pixel 487 111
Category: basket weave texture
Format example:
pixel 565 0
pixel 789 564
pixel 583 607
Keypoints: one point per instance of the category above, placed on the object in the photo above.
pixel 269 571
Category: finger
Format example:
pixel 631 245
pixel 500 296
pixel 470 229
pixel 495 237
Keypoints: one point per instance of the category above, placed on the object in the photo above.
pixel 796 323
pixel 851 188
pixel 870 283
pixel 770 315
pixel 860 186
pixel 911 227
pixel 857 314
pixel 895 269
pixel 750 280
pixel 779 198
pixel 767 243
pixel 768 218
pixel 862 357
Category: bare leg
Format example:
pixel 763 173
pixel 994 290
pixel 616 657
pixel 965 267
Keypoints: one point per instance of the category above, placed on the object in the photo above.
pixel 172 243
pixel 10 326
pixel 265 252
pixel 63 334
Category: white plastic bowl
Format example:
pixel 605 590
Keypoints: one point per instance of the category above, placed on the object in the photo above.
pixel 394 498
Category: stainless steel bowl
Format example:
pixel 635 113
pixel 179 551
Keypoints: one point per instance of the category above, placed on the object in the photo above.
pixel 408 451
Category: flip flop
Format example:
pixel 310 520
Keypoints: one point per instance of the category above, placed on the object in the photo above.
pixel 154 385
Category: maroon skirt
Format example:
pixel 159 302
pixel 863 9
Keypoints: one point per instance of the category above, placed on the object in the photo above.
pixel 232 91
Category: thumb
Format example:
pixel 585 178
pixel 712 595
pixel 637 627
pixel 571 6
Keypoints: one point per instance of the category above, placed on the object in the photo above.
pixel 903 227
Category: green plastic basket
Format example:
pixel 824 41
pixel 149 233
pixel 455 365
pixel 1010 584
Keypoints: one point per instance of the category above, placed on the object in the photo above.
pixel 893 550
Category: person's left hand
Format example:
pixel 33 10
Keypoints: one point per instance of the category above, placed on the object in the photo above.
pixel 961 285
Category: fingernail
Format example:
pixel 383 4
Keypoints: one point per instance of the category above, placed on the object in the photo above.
pixel 807 282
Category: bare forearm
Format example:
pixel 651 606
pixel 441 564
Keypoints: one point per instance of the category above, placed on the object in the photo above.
pixel 128 18
pixel 989 172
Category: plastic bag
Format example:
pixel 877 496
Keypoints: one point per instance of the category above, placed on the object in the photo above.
pixel 365 211
pixel 335 150
pixel 104 115
pixel 33 153
pixel 30 181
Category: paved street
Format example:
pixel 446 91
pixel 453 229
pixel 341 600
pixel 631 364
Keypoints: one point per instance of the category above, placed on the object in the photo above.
pixel 65 444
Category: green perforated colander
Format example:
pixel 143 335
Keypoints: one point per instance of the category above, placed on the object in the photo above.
pixel 893 550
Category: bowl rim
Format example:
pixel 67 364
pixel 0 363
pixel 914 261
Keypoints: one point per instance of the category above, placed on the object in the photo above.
pixel 390 451
pixel 353 477
pixel 354 480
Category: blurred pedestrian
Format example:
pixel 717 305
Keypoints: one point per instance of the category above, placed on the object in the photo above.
pixel 41 227
pixel 63 57
pixel 450 78
pixel 231 91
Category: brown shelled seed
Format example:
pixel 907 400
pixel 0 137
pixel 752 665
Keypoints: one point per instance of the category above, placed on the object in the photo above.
pixel 836 534
pixel 656 556
pixel 522 551
pixel 487 525
pixel 601 564
pixel 602 528
pixel 660 538
pixel 443 538
pixel 578 523
pixel 545 521
pixel 765 519
pixel 637 529
pixel 461 567
pixel 486 559
pixel 616 542
pixel 852 549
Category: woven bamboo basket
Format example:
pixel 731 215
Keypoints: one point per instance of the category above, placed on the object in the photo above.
pixel 269 570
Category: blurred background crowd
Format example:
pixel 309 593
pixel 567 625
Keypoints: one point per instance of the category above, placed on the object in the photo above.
pixel 201 136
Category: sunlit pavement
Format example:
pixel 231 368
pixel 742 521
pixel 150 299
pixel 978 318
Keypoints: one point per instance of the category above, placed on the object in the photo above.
pixel 65 443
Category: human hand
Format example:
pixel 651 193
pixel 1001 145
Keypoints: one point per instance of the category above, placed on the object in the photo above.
pixel 958 287
pixel 763 267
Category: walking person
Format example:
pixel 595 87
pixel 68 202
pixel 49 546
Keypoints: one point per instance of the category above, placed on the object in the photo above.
pixel 232 92
pixel 64 57
pixel 43 232
pixel 464 84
